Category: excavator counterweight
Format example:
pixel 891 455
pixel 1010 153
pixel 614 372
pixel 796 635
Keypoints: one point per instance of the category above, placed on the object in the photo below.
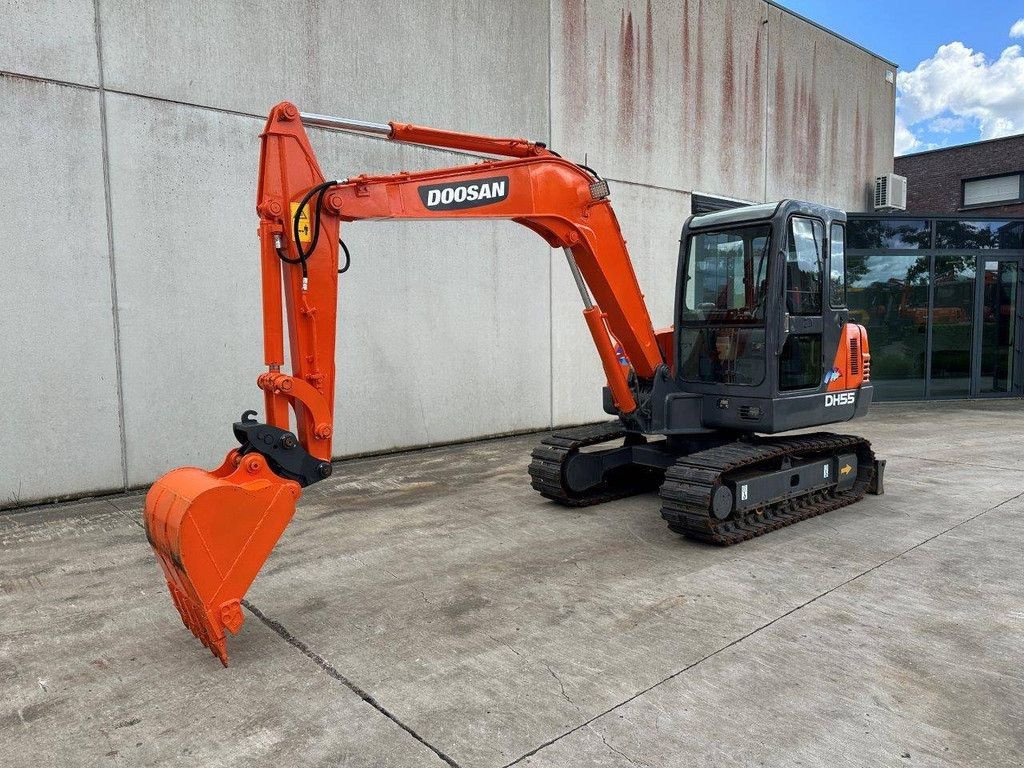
pixel 762 343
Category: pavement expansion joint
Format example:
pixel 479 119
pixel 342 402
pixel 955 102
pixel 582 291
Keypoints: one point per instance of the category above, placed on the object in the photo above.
pixel 589 723
pixel 331 671
pixel 954 463
pixel 327 667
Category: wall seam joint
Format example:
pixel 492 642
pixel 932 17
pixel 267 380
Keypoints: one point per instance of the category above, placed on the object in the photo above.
pixel 551 261
pixel 115 317
pixel 767 25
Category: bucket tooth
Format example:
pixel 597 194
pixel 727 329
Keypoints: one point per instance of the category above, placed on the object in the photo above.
pixel 212 532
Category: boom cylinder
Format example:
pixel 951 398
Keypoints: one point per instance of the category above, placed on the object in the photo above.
pixel 614 371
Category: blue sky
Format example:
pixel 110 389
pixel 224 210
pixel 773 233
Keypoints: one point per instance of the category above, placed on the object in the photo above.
pixel 961 74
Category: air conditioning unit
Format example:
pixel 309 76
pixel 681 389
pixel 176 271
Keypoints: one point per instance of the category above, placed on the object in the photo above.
pixel 890 192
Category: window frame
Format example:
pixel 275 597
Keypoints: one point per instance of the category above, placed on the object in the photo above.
pixel 682 306
pixel 831 298
pixel 821 265
pixel 965 206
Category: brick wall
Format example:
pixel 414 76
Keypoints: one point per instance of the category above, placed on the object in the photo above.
pixel 934 178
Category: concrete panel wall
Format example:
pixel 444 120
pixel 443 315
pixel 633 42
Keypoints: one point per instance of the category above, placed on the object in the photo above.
pixel 61 430
pixel 663 92
pixel 55 39
pixel 479 66
pixel 182 187
pixel 831 116
pixel 447 331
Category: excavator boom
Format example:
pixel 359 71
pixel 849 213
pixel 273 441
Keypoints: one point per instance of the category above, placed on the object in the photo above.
pixel 213 530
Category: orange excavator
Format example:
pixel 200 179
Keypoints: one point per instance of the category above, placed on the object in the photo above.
pixel 762 343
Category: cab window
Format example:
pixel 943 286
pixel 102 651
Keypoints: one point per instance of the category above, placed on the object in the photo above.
pixel 837 266
pixel 804 266
pixel 727 275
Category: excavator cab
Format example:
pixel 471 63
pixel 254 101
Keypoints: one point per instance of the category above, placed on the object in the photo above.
pixel 763 332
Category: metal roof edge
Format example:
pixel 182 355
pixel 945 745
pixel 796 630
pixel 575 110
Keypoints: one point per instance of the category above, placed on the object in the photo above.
pixel 832 32
pixel 965 145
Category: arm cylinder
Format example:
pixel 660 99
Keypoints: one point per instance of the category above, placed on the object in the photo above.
pixel 432 137
pixel 345 124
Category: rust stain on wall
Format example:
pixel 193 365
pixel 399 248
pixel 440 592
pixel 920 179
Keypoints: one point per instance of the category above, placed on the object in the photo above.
pixel 698 97
pixel 780 125
pixel 703 93
pixel 688 116
pixel 648 106
pixel 812 116
pixel 686 47
pixel 602 73
pixel 833 159
pixel 868 169
pixel 627 77
pixel 574 69
pixel 858 147
pixel 754 117
pixel 727 129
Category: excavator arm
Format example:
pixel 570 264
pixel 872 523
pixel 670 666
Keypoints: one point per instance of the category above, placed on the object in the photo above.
pixel 212 531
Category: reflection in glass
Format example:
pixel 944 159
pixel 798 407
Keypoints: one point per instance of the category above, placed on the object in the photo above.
pixel 979 234
pixel 888 294
pixel 998 326
pixel 726 355
pixel 800 362
pixel 727 275
pixel 803 266
pixel 889 233
pixel 837 269
pixel 952 326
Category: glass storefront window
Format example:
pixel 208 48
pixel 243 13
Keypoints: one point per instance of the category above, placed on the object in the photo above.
pixel 888 294
pixel 952 326
pixel 998 326
pixel 889 234
pixel 972 235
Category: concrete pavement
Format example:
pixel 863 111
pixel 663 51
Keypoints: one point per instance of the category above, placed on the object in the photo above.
pixel 430 609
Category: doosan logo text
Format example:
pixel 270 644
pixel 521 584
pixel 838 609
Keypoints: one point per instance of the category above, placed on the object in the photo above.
pixel 464 194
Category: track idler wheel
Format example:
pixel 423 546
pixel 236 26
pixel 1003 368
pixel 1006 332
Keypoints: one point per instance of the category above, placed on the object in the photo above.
pixel 212 532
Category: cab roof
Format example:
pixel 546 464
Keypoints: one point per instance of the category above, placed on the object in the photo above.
pixel 763 212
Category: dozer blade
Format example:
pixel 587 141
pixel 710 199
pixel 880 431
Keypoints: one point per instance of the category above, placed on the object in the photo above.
pixel 212 532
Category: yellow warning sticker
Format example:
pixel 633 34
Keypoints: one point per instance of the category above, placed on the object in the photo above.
pixel 847 469
pixel 305 230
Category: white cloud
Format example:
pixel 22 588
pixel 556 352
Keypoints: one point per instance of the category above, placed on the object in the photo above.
pixel 1017 30
pixel 957 82
pixel 905 140
pixel 947 125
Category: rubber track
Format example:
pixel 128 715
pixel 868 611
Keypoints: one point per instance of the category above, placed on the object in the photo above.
pixel 691 481
pixel 549 457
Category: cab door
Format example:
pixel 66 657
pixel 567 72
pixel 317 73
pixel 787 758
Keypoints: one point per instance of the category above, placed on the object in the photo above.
pixel 835 312
pixel 801 362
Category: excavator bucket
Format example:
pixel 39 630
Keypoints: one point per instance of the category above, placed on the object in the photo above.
pixel 212 532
